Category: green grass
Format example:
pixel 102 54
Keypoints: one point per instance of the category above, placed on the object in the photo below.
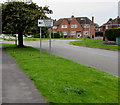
pixel 95 44
pixel 64 81
pixel 26 39
pixel 10 39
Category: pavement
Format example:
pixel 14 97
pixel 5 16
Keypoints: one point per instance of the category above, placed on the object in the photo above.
pixel 104 60
pixel 0 75
pixel 16 85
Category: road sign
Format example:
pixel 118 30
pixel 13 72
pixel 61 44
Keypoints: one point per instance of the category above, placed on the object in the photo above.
pixel 45 23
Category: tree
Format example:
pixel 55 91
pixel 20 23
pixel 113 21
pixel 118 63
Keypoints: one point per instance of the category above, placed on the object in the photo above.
pixel 21 18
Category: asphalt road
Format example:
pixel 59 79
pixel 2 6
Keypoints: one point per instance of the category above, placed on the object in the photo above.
pixel 101 59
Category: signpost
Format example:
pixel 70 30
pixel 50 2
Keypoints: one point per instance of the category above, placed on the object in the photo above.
pixel 45 23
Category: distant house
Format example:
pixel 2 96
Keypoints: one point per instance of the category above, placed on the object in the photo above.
pixel 75 27
pixel 111 23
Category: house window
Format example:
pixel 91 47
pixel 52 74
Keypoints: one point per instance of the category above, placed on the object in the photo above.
pixel 86 25
pixel 73 32
pixel 86 33
pixel 74 26
pixel 54 27
pixel 106 26
pixel 64 33
pixel 64 26
pixel 118 25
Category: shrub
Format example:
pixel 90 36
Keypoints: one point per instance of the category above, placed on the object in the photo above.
pixel 111 34
pixel 55 35
pixel 99 34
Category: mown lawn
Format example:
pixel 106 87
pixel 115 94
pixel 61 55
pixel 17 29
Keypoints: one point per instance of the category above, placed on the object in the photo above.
pixel 95 43
pixel 26 39
pixel 64 81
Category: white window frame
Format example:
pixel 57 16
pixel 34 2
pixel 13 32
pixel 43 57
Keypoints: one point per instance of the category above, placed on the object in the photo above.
pixel 74 26
pixel 86 32
pixel 65 33
pixel 73 32
pixel 86 25
pixel 106 27
pixel 64 26
pixel 118 25
pixel 54 27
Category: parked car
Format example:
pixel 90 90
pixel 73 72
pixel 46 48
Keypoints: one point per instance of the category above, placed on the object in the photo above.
pixel 30 36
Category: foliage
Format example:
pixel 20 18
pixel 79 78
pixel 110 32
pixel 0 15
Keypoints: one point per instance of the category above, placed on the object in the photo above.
pixel 95 43
pixel 98 34
pixel 63 81
pixel 22 18
pixel 111 34
pixel 55 35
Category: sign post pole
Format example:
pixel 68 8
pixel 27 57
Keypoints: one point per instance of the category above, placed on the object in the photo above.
pixel 50 41
pixel 45 23
pixel 40 43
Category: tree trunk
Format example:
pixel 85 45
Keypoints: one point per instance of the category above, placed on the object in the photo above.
pixel 20 40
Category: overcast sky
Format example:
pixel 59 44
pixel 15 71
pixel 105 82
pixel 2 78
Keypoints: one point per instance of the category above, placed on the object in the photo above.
pixel 102 10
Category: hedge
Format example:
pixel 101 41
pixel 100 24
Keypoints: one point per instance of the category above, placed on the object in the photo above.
pixel 55 35
pixel 99 34
pixel 111 34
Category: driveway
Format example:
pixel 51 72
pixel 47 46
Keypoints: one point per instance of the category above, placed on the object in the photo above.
pixel 101 59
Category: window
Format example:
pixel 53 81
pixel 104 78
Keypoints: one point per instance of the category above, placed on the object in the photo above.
pixel 118 25
pixel 86 32
pixel 86 25
pixel 74 26
pixel 73 32
pixel 106 26
pixel 64 26
pixel 54 27
pixel 64 33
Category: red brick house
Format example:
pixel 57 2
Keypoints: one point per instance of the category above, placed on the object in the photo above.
pixel 111 23
pixel 75 27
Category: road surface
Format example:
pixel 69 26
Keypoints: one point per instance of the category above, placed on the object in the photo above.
pixel 101 59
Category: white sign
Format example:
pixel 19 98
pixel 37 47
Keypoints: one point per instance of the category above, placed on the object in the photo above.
pixel 45 23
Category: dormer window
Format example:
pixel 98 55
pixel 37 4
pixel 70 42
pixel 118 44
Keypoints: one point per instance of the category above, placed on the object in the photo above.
pixel 64 26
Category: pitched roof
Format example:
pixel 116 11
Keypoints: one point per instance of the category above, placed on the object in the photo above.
pixel 81 20
pixel 84 20
pixel 113 21
pixel 57 23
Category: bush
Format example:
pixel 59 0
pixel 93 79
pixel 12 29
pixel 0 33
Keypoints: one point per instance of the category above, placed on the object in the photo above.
pixel 111 34
pixel 99 34
pixel 55 35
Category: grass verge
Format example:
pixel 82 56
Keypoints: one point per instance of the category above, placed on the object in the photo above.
pixel 64 81
pixel 95 43
pixel 26 39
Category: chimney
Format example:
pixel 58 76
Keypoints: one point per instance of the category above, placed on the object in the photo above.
pixel 93 19
pixel 118 17
pixel 72 16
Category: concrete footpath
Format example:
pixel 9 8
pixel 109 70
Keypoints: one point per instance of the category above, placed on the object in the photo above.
pixel 0 75
pixel 16 86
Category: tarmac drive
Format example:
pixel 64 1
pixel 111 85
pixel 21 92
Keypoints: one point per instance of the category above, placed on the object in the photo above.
pixel 105 60
pixel 16 86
